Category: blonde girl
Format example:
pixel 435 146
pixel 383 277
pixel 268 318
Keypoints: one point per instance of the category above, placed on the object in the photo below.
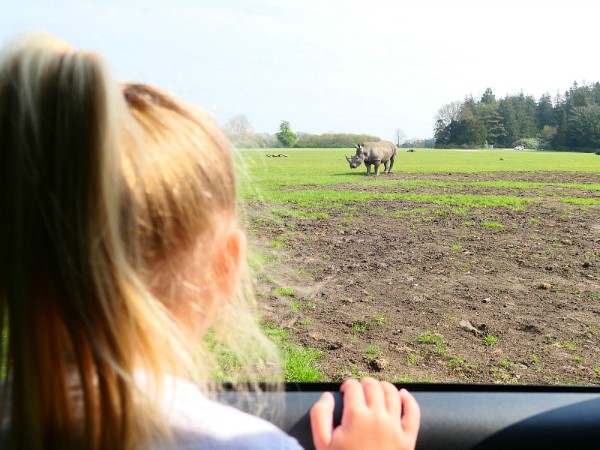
pixel 119 249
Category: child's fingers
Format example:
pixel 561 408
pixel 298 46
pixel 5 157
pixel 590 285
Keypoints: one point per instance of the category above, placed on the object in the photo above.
pixel 411 413
pixel 321 420
pixel 353 394
pixel 374 394
pixel 392 398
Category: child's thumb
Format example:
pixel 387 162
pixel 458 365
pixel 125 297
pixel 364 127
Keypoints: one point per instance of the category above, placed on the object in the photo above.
pixel 321 420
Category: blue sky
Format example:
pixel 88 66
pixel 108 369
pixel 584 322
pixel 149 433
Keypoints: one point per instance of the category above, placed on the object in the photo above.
pixel 352 66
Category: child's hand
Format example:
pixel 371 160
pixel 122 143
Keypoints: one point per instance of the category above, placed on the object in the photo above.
pixel 376 416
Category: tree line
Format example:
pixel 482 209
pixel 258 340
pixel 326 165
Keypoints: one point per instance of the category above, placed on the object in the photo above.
pixel 570 121
pixel 239 132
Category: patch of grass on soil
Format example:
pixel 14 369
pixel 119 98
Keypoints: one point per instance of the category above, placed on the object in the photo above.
pixel 360 325
pixel 284 292
pixel 491 225
pixel 490 340
pixel 299 362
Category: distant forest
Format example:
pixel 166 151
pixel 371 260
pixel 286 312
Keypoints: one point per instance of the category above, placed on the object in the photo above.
pixel 567 122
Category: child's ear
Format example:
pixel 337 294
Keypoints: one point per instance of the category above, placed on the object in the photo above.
pixel 229 262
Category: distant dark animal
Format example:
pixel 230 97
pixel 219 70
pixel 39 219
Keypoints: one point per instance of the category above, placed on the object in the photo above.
pixel 411 150
pixel 374 153
pixel 280 155
pixel 597 152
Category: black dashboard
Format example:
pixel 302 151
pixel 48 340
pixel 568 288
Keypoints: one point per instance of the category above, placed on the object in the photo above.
pixel 466 416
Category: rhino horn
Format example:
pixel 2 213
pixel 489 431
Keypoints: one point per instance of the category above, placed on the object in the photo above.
pixel 348 159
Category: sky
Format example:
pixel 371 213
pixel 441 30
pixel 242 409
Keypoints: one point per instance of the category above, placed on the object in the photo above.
pixel 343 66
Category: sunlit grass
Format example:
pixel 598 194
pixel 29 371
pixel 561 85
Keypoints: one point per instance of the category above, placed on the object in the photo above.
pixel 491 225
pixel 310 168
pixel 307 198
pixel 303 177
pixel 299 362
pixel 284 292
pixel 581 201
pixel 490 340
pixel 492 184
pixel 300 214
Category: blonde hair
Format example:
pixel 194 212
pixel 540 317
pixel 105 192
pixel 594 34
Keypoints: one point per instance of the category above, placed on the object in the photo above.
pixel 93 202
pixel 185 189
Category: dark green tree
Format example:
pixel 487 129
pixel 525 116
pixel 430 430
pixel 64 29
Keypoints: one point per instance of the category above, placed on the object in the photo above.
pixel 559 141
pixel 442 134
pixel 545 112
pixel 595 94
pixel 579 95
pixel 578 118
pixel 520 117
pixel 488 97
pixel 469 106
pixel 584 127
pixel 286 136
pixel 468 132
pixel 494 126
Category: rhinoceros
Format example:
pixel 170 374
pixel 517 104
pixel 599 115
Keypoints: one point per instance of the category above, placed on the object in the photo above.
pixel 374 153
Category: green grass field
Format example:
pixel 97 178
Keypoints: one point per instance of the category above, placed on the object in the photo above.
pixel 261 176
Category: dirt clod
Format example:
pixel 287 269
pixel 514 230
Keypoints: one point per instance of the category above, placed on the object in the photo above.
pixel 378 364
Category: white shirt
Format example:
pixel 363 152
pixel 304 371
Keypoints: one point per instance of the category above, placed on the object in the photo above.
pixel 200 423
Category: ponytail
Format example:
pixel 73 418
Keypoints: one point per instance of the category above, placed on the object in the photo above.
pixel 71 306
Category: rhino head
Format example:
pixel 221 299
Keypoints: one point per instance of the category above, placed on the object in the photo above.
pixel 358 158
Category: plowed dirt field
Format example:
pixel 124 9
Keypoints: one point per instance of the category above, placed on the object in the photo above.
pixel 407 290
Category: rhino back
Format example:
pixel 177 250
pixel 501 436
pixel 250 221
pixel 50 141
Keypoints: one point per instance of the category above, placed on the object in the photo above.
pixel 382 150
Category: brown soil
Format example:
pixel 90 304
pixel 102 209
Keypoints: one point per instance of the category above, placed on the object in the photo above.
pixel 401 293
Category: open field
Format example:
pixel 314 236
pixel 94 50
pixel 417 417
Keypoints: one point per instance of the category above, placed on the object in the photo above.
pixel 460 266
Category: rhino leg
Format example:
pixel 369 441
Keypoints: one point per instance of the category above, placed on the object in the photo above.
pixel 377 163
pixel 391 163
pixel 368 169
pixel 385 167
